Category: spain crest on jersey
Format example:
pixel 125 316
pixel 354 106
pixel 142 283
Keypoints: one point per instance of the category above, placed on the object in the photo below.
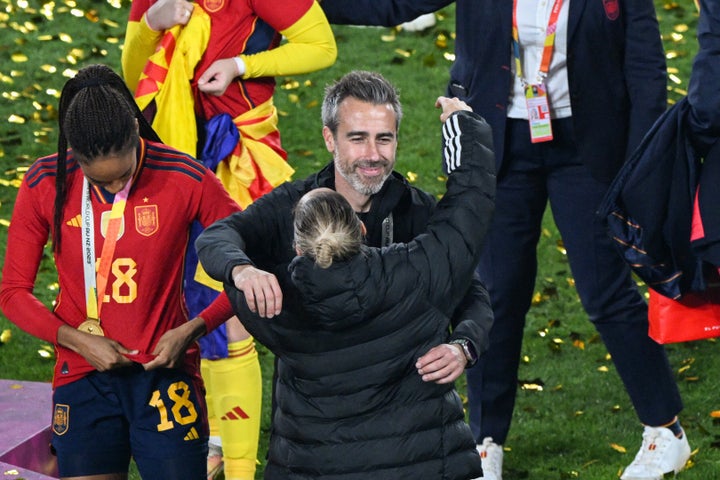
pixel 146 219
pixel 214 5
pixel 61 419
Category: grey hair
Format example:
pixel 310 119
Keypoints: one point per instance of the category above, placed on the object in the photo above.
pixel 370 87
pixel 326 227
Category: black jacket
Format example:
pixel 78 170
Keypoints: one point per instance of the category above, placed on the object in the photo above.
pixel 351 404
pixel 262 235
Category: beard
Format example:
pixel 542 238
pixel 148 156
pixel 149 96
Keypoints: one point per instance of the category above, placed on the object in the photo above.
pixel 364 185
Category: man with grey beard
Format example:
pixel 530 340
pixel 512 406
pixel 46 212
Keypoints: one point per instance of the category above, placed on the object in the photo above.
pixel 361 116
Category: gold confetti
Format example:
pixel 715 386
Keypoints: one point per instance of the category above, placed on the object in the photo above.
pixel 44 354
pixel 290 85
pixel 603 369
pixel 450 57
pixel 537 298
pixel 16 119
pixel 618 448
pixel 19 57
pixel 715 414
pixel 411 176
pixel 441 41
pixel 5 336
pixel 535 385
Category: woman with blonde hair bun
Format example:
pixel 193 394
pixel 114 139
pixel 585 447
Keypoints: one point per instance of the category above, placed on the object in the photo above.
pixel 326 228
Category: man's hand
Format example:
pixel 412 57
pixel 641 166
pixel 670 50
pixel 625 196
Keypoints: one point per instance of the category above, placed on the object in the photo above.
pixel 102 353
pixel 442 364
pixel 218 76
pixel 261 289
pixel 165 14
pixel 450 105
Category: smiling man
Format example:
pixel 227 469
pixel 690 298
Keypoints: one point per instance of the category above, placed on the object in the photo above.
pixel 361 116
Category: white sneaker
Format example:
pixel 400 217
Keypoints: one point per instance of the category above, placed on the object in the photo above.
pixel 661 452
pixel 423 22
pixel 491 455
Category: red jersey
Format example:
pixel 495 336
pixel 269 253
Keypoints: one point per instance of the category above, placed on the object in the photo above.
pixel 143 298
pixel 238 26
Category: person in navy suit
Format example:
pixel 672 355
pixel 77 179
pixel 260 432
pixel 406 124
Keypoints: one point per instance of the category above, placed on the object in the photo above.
pixel 568 97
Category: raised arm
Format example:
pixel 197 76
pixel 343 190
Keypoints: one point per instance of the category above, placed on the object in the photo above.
pixel 451 247
pixel 309 46
pixel 464 151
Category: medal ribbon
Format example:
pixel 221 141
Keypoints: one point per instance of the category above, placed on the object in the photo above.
pixel 548 45
pixel 95 286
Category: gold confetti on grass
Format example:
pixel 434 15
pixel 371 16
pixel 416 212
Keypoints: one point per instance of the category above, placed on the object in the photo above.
pixel 618 448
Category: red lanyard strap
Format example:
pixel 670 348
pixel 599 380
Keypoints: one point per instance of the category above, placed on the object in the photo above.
pixel 548 45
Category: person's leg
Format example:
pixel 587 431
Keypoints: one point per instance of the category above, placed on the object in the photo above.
pixel 168 423
pixel 508 267
pixel 609 294
pixel 215 464
pixel 90 434
pixel 619 313
pixel 237 399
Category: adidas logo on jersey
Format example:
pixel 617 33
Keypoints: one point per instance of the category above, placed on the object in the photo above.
pixel 76 221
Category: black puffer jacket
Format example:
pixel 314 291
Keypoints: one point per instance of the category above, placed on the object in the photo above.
pixel 351 404
pixel 262 235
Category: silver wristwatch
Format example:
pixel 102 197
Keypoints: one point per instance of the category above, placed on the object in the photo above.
pixel 467 349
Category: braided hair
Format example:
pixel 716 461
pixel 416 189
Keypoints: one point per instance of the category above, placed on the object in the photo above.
pixel 97 116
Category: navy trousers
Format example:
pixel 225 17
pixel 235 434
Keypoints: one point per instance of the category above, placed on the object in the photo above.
pixel 530 176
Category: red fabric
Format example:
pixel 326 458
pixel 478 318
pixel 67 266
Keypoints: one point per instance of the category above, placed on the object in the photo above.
pixel 697 231
pixel 694 317
pixel 144 295
pixel 237 28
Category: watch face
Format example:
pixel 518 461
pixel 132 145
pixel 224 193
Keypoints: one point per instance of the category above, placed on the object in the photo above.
pixel 467 349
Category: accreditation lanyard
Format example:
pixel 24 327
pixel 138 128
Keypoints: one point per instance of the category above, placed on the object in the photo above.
pixel 536 93
pixel 95 285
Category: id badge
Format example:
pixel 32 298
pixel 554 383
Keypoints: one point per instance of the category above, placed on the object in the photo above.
pixel 538 113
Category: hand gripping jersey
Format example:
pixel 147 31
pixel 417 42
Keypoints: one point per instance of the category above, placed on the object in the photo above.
pixel 144 296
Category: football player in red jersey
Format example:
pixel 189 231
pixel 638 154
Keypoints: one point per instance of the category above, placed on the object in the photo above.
pixel 118 205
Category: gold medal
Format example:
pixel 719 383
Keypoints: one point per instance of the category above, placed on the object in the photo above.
pixel 91 326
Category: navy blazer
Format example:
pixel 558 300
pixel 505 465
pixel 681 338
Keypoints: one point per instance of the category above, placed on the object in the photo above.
pixel 616 67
